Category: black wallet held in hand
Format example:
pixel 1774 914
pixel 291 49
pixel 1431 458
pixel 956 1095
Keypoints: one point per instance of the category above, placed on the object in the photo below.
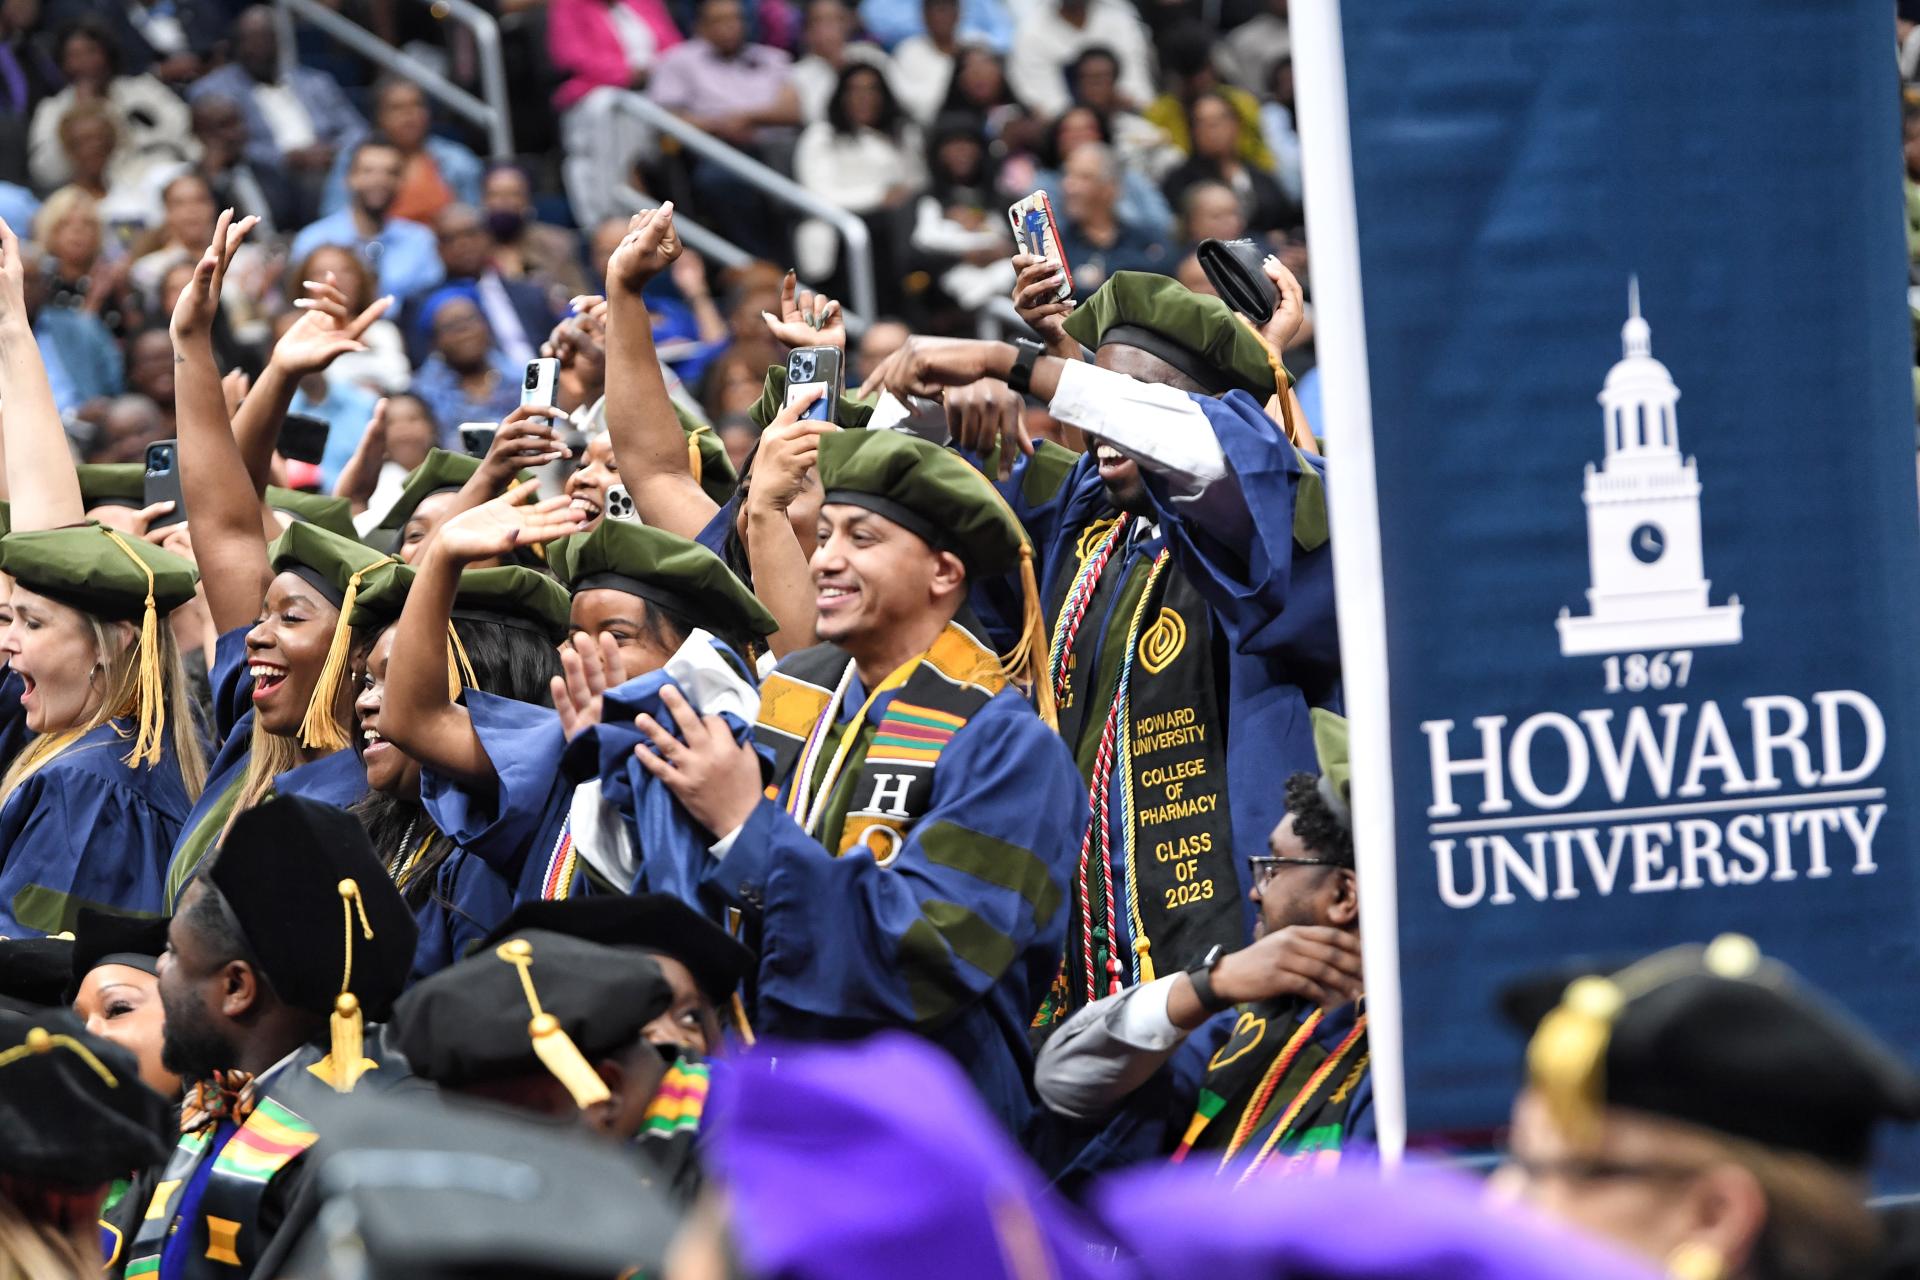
pixel 1235 270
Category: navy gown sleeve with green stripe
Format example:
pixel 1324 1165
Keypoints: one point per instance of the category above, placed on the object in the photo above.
pixel 88 829
pixel 958 937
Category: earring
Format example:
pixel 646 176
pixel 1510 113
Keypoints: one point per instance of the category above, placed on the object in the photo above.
pixel 1696 1261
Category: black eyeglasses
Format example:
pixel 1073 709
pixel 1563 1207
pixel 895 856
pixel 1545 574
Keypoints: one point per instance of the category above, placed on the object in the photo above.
pixel 1265 867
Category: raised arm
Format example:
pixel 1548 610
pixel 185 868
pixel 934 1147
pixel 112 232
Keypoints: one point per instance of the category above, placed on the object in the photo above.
pixel 782 470
pixel 417 715
pixel 228 540
pixel 361 476
pixel 40 479
pixel 325 331
pixel 648 444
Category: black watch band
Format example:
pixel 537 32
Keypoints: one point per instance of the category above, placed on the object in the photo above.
pixel 1020 377
pixel 1201 975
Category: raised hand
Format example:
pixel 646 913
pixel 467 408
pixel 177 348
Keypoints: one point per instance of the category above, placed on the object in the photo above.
pixel 789 448
pixel 1316 963
pixel 493 529
pixel 1289 309
pixel 326 329
pixel 524 441
pixel 1036 290
pixel 985 413
pixel 590 665
pixel 650 247
pixel 199 302
pixel 808 318
pixel 716 778
pixel 13 278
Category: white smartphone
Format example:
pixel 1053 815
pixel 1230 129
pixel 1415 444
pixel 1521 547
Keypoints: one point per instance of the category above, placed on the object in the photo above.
pixel 541 382
pixel 620 504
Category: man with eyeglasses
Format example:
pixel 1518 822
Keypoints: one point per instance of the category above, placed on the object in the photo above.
pixel 1251 1059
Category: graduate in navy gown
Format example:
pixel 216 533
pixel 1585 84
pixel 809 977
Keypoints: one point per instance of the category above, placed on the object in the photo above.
pixel 90 805
pixel 505 626
pixel 282 695
pixel 491 765
pixel 1188 581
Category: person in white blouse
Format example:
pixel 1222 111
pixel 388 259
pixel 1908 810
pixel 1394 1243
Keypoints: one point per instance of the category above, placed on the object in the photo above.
pixel 154 125
pixel 865 157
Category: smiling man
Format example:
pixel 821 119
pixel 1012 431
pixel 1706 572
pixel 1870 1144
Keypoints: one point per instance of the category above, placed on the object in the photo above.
pixel 908 866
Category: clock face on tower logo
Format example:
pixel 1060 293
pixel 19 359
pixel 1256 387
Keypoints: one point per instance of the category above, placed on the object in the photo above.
pixel 1649 542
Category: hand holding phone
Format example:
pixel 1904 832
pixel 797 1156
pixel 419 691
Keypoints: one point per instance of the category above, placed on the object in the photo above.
pixel 817 366
pixel 541 383
pixel 162 482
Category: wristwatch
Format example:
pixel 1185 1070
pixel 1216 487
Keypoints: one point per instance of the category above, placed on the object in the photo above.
pixel 1020 377
pixel 1201 975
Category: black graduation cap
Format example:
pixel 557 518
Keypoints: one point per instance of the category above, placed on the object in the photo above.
pixel 72 1108
pixel 536 1001
pixel 656 922
pixel 1720 1037
pixel 33 972
pixel 102 937
pixel 321 914
pixel 432 1188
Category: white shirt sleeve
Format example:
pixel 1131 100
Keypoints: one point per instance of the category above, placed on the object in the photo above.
pixel 1106 1051
pixel 720 847
pixel 1159 427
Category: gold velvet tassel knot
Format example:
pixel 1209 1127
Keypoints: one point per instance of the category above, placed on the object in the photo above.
pixel 345 1062
pixel 551 1043
pixel 150 694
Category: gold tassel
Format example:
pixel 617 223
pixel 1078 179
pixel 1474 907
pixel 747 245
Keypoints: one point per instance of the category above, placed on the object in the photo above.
pixel 551 1043
pixel 1027 663
pixel 320 731
pixel 150 699
pixel 345 1062
pixel 1566 1061
pixel 693 457
pixel 1282 382
pixel 740 1022
pixel 459 667
pixel 1141 948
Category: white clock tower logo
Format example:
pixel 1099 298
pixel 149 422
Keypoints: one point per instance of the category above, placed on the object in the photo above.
pixel 1643 520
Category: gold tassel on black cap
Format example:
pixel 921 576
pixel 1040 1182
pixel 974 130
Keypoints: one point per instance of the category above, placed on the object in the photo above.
pixel 459 666
pixel 320 731
pixel 555 1048
pixel 150 696
pixel 345 1062
pixel 1026 663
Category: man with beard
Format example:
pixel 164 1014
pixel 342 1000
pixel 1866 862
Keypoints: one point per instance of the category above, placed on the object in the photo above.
pixel 280 951
pixel 1188 586
pixel 405 254
pixel 1264 1048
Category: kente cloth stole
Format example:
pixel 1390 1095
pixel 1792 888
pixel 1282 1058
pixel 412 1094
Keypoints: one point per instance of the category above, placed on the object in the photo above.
pixel 679 1103
pixel 230 1208
pixel 868 792
pixel 1136 676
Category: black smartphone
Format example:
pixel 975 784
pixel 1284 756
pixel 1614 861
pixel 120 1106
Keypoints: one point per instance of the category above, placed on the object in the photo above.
pixel 476 438
pixel 303 438
pixel 162 481
pixel 823 366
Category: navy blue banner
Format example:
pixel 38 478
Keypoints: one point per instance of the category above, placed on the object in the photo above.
pixel 1637 355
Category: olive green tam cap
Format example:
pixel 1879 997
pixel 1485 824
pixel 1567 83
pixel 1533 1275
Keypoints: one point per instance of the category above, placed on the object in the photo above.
pixel 707 456
pixel 1196 334
pixel 326 560
pixel 664 569
pixel 335 515
pixel 442 470
pixel 928 490
pixel 113 484
pixel 512 595
pixel 97 572
pixel 1336 773
pixel 850 412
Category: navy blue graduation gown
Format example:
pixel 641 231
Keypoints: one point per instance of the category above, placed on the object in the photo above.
pixel 88 829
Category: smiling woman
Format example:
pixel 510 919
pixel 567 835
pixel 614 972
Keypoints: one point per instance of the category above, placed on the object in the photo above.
pixel 89 808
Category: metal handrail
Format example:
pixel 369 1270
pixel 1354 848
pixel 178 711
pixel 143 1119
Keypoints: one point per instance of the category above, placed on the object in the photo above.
pixel 490 114
pixel 859 243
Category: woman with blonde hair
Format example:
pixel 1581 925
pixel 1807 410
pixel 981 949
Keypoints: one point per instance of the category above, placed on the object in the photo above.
pixel 91 806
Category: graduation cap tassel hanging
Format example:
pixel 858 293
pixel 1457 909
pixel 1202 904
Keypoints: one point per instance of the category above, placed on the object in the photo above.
pixel 149 686
pixel 320 730
pixel 1027 662
pixel 459 667
pixel 345 1062
pixel 551 1043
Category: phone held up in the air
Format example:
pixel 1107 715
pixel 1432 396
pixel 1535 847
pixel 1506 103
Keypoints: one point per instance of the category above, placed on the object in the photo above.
pixel 476 438
pixel 162 481
pixel 809 367
pixel 1036 233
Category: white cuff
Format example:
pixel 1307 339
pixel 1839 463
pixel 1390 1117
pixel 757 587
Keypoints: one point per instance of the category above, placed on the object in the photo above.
pixel 1143 1018
pixel 1161 428
pixel 719 850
